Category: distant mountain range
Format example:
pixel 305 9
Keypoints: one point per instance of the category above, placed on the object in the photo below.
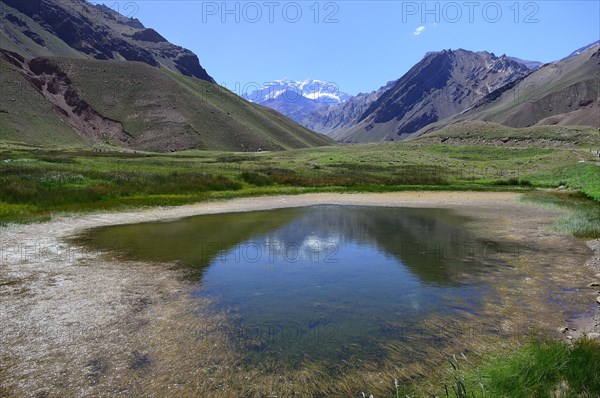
pixel 583 49
pixel 297 99
pixel 440 85
pixel 74 73
pixel 531 65
pixel 340 117
pixel 457 85
pixel 562 93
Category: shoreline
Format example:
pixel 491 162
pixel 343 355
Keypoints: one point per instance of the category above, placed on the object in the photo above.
pixel 593 326
pixel 68 225
pixel 54 294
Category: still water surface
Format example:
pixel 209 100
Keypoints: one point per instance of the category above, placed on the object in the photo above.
pixel 323 283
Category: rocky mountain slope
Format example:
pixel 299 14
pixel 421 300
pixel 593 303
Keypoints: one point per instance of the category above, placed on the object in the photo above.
pixel 76 28
pixel 582 49
pixel 441 85
pixel 532 65
pixel 63 101
pixel 566 92
pixel 297 99
pixel 332 118
pixel 74 73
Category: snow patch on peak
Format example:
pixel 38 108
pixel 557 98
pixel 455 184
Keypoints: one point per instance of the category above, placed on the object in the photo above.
pixel 327 93
pixel 297 98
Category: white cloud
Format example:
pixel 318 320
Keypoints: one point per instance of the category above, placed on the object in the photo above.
pixel 419 30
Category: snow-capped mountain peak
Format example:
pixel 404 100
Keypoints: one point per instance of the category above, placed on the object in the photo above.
pixel 323 93
pixel 297 98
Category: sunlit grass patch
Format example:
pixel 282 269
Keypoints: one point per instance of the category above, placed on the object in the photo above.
pixel 539 369
pixel 584 177
pixel 10 212
pixel 583 218
pixel 75 180
pixel 546 369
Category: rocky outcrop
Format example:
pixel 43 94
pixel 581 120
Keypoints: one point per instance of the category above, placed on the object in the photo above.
pixel 148 35
pixel 35 37
pixel 54 84
pixel 187 63
pixel 101 33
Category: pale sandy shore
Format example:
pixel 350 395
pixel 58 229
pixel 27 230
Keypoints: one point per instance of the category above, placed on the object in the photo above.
pixel 56 301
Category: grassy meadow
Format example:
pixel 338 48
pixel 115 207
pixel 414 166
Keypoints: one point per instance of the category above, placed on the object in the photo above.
pixel 38 182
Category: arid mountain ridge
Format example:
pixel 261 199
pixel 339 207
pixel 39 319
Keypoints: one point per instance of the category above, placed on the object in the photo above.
pixel 74 73
pixel 447 86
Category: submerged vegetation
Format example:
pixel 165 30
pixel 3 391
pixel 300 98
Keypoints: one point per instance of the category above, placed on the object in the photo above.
pixel 583 215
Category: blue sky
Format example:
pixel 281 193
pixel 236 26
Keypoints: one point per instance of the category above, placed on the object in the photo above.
pixel 358 45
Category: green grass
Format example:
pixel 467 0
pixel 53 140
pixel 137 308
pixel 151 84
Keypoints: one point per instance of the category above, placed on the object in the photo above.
pixel 487 153
pixel 583 214
pixel 580 136
pixel 257 179
pixel 37 182
pixel 538 369
pixel 584 177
